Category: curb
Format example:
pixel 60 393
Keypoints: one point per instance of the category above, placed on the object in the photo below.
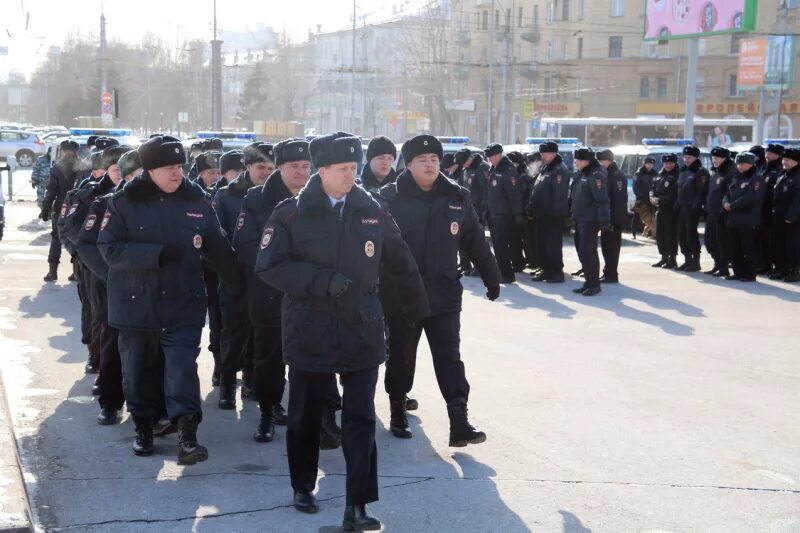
pixel 15 509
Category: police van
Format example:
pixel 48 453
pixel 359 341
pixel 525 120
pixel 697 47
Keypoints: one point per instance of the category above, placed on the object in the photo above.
pixel 566 147
pixel 231 140
pixel 786 143
pixel 125 137
pixel 450 145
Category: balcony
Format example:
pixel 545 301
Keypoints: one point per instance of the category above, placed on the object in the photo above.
pixel 530 34
pixel 529 71
pixel 463 37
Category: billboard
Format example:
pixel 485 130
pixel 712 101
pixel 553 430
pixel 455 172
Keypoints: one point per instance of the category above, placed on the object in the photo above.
pixel 766 63
pixel 681 19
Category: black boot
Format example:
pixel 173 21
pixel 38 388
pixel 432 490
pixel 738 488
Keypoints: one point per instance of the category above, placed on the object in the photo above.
pixel 52 274
pixel 793 277
pixel 164 427
pixel 227 397
pixel 660 263
pixel 108 416
pixel 357 519
pixel 398 423
pixel 672 263
pixel 265 432
pixel 215 377
pixel 686 262
pixel 461 432
pixel 713 270
pixel 189 451
pixel 330 435
pixel 279 414
pixel 723 272
pixel 143 443
pixel 90 368
pixel 778 274
pixel 694 264
pixel 411 404
pixel 305 503
pixel 96 387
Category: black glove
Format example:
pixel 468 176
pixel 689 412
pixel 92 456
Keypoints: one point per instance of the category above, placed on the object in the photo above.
pixel 170 255
pixel 45 215
pixel 338 285
pixel 607 228
pixel 493 293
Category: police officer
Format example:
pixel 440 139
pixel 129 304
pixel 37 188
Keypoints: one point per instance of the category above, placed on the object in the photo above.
pixel 448 165
pixel 548 206
pixel 461 158
pixel 293 158
pixel 476 178
pixel 381 153
pixel 664 197
pixel 324 251
pixel 716 234
pixel 611 241
pixel 692 187
pixel 154 236
pixel 40 173
pixel 62 179
pixel 437 221
pixel 773 169
pixel 786 211
pixel 504 201
pixel 642 183
pixel 742 205
pixel 591 213
pixel 208 173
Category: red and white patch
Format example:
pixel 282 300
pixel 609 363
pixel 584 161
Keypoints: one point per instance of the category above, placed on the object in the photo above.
pixel 240 221
pixel 197 241
pixel 743 185
pixel 599 183
pixel 90 220
pixel 106 218
pixel 370 222
pixel 369 248
pixel 266 239
pixel 454 228
pixel 513 182
pixel 63 209
pixel 558 180
pixel 757 185
pixel 194 215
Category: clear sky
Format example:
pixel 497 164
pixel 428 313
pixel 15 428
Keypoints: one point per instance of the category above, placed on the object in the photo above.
pixel 50 21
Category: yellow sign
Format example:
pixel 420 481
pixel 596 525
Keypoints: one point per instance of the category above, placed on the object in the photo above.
pixel 527 110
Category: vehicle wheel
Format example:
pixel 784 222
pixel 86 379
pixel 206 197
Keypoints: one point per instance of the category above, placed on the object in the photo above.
pixel 25 158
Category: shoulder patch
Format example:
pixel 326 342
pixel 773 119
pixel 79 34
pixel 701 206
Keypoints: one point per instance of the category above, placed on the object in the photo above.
pixel 90 220
pixel 240 220
pixel 266 238
pixel 599 183
pixel 106 218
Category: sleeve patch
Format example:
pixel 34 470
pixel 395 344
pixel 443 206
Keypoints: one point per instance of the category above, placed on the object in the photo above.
pixel 266 239
pixel 90 221
pixel 106 218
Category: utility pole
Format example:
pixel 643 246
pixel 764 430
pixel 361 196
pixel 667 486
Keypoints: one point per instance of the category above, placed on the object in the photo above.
pixel 106 104
pixel 216 78
pixel 353 76
pixel 783 13
pixel 691 88
pixel 492 29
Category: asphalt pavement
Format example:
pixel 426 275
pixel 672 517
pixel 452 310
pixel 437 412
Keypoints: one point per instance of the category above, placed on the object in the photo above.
pixel 669 403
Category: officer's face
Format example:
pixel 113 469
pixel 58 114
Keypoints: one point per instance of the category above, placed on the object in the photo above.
pixel 717 161
pixel 133 174
pixel 772 157
pixel 338 180
pixel 114 174
pixel 789 164
pixel 743 167
pixel 295 175
pixel 209 176
pixel 494 159
pixel 669 166
pixel 547 157
pixel 648 166
pixel 424 169
pixel 259 172
pixel 605 163
pixel 98 173
pixel 580 164
pixel 380 165
pixel 231 175
pixel 168 179
pixel 689 159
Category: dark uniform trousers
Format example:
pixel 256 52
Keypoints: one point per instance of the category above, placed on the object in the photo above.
pixel 90 328
pixel 779 245
pixel 502 231
pixel 160 367
pixel 587 252
pixel 269 372
pixel 548 242
pixel 667 232
pixel 109 377
pixel 518 247
pixel 54 255
pixel 745 251
pixel 688 238
pixel 214 315
pixel 532 251
pixel 308 392
pixel 442 332
pixel 793 244
pixel 611 245
pixel 716 240
pixel 236 341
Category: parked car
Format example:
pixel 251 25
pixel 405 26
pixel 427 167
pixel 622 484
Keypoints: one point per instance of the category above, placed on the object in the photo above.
pixel 26 146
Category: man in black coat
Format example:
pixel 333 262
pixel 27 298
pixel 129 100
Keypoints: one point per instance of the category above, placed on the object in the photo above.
pixel 590 211
pixel 326 250
pixel 642 183
pixel 785 233
pixel 716 234
pixel 664 196
pixel 548 206
pixel 461 158
pixel 476 178
pixel 773 155
pixel 437 220
pixel 381 154
pixel 63 177
pixel 154 236
pixel 611 241
pixel 504 201
pixel 692 188
pixel 743 217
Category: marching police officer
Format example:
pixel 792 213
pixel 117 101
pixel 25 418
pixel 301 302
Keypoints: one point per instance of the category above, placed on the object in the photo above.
pixel 464 179
pixel 381 153
pixel 716 234
pixel 324 250
pixel 504 201
pixel 548 206
pixel 692 187
pixel 476 179
pixel 590 211
pixel 642 183
pixel 611 241
pixel 786 218
pixel 155 235
pixel 63 176
pixel 774 168
pixel 437 221
pixel 664 196
pixel 742 205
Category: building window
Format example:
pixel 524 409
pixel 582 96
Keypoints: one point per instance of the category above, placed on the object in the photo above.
pixel 579 52
pixel 644 88
pixel 534 54
pixel 615 46
pixel 736 43
pixel 578 89
pixel 701 47
pixel 700 88
pixel 485 25
pixel 548 52
pixel 581 9
pixel 547 92
pixel 496 18
pixel 551 12
pixel 733 87
pixel 564 51
pixel 508 18
pixel 617 8
pixel 565 10
pixel 519 18
pixel 662 88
